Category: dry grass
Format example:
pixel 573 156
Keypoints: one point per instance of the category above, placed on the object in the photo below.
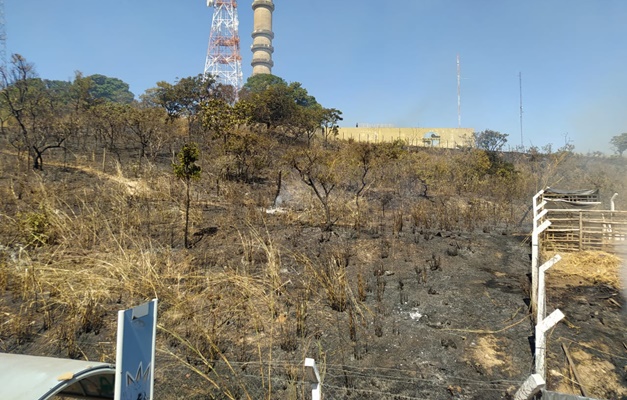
pixel 592 267
pixel 79 257
pixel 232 322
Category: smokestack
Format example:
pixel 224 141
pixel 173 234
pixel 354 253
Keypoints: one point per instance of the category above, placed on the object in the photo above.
pixel 262 37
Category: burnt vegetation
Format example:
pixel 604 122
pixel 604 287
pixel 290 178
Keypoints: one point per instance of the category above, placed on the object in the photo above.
pixel 265 239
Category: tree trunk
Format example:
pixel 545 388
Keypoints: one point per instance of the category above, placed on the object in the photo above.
pixel 38 164
pixel 187 202
pixel 278 189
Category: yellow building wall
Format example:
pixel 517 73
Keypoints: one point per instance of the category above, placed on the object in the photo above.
pixel 425 137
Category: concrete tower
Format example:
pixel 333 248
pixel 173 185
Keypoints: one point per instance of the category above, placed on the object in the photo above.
pixel 262 37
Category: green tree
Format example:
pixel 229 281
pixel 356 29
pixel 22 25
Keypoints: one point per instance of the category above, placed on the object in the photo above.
pixel 275 103
pixel 183 99
pixel 60 89
pixel 620 143
pixel 330 118
pixel 187 171
pixel 273 107
pixel 259 83
pixel 110 89
pixel 220 117
pixel 307 121
pixel 490 140
pixel 248 154
pixel 300 95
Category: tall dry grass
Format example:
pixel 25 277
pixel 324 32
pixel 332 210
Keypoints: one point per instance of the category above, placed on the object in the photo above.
pixel 241 310
pixel 79 257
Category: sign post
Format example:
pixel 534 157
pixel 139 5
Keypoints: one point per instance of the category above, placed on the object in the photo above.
pixel 135 353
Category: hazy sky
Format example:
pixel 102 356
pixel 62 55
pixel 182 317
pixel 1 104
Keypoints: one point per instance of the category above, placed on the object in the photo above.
pixel 380 62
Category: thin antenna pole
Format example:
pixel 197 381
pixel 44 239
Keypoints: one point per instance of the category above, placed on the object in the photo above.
pixel 3 36
pixel 522 142
pixel 459 95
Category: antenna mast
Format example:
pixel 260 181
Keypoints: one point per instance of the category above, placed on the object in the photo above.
pixel 3 36
pixel 224 61
pixel 522 142
pixel 459 95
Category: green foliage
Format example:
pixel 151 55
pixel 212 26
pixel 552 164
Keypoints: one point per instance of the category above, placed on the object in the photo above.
pixel 273 103
pixel 273 107
pixel 186 168
pixel 329 122
pixel 300 95
pixel 249 153
pixel 620 143
pixel 261 82
pixel 490 140
pixel 35 227
pixel 110 89
pixel 220 117
pixel 185 97
pixel 60 89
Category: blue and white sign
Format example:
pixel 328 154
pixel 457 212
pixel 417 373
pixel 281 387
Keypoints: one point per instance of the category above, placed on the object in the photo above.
pixel 135 353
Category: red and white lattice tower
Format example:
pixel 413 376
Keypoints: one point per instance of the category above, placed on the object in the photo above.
pixel 224 61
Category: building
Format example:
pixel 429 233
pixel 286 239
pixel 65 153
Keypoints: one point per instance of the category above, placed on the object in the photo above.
pixel 425 137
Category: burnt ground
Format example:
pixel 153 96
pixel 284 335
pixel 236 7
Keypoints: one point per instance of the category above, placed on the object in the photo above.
pixel 593 334
pixel 445 316
pixel 453 320
pixel 429 315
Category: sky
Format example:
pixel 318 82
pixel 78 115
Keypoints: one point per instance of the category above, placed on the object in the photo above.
pixel 379 62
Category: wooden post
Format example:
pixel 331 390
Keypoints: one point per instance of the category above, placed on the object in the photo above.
pixel 530 388
pixel 574 367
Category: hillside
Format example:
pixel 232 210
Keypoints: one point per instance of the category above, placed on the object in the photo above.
pixel 407 280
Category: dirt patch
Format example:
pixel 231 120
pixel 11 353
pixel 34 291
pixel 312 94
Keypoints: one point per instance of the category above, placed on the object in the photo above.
pixel 598 376
pixel 490 353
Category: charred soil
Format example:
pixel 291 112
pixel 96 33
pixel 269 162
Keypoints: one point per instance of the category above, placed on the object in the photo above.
pixel 391 309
